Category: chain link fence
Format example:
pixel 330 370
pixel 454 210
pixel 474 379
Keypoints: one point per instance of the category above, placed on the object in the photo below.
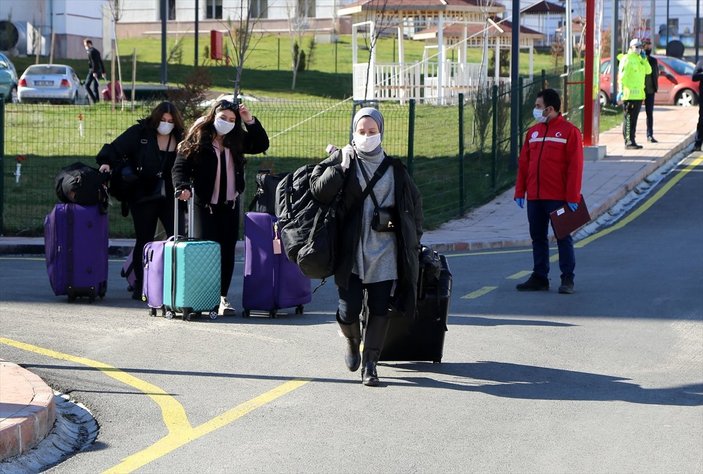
pixel 458 155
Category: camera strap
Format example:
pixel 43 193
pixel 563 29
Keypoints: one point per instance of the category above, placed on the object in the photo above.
pixel 370 183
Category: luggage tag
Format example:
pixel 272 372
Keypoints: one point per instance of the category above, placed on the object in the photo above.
pixel 277 249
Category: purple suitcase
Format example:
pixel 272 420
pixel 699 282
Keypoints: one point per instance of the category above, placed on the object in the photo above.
pixel 271 281
pixel 128 271
pixel 153 288
pixel 76 245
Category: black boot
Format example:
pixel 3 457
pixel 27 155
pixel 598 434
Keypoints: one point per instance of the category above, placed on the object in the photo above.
pixel 374 336
pixel 137 293
pixel 534 283
pixel 352 333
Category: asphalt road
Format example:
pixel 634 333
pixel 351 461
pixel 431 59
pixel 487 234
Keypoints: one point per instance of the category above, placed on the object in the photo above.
pixel 609 379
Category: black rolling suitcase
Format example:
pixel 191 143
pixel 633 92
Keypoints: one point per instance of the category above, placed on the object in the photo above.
pixel 423 339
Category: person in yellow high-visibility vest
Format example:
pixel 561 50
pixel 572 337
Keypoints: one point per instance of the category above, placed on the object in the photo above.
pixel 632 71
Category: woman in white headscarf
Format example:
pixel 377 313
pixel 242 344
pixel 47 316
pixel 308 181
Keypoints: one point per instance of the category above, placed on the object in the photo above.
pixel 380 230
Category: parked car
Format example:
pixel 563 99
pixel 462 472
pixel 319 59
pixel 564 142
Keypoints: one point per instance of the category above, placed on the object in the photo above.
pixel 675 84
pixel 50 83
pixel 8 79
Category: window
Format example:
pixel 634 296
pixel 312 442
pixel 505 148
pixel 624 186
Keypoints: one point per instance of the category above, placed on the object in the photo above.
pixel 306 8
pixel 258 8
pixel 170 9
pixel 213 9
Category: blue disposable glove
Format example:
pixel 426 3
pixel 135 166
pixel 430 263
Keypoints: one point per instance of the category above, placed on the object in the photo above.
pixel 573 205
pixel 618 98
pixel 520 202
pixel 643 55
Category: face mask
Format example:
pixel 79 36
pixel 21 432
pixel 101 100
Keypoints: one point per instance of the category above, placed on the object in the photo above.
pixel 367 143
pixel 648 52
pixel 165 128
pixel 537 114
pixel 223 127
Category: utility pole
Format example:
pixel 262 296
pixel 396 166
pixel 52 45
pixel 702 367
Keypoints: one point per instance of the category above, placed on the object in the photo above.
pixel 197 13
pixel 615 34
pixel 697 31
pixel 568 52
pixel 164 17
pixel 514 74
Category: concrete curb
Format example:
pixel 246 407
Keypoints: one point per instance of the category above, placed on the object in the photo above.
pixel 27 410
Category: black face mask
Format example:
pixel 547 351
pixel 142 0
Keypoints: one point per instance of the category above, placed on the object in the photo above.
pixel 648 52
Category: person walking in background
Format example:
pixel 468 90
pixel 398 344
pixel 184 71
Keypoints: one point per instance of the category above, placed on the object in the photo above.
pixel 96 70
pixel 651 86
pixel 698 76
pixel 375 254
pixel 550 168
pixel 211 159
pixel 149 148
pixel 632 71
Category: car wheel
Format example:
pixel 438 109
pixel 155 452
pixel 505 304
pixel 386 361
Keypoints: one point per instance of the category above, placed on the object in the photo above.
pixel 686 98
pixel 12 96
pixel 602 98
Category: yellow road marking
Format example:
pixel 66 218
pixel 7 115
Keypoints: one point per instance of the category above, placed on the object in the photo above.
pixel 519 275
pixel 644 207
pixel 180 431
pixel 479 292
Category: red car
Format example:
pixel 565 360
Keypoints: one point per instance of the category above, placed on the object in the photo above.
pixel 675 84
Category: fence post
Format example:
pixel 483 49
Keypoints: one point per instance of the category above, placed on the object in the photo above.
pixel 494 137
pixel 2 164
pixel 565 99
pixel 461 154
pixel 411 136
pixel 544 80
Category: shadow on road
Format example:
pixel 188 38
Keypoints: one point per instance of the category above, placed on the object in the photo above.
pixel 541 383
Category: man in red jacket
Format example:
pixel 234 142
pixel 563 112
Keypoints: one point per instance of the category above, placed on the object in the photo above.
pixel 549 172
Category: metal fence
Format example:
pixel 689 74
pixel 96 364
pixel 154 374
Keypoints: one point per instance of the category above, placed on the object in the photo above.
pixel 458 155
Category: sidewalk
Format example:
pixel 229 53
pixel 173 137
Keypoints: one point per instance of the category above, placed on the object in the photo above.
pixel 497 224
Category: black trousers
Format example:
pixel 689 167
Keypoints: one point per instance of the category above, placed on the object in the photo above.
pixel 351 299
pixel 631 109
pixel 699 127
pixel 649 110
pixel 91 86
pixel 221 223
pixel 145 216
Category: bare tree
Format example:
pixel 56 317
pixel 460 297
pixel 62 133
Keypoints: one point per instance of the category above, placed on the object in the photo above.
pixel 243 38
pixel 382 20
pixel 115 8
pixel 297 25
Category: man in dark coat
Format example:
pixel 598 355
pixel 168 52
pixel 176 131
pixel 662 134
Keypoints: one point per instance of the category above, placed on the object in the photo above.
pixel 96 70
pixel 698 76
pixel 651 86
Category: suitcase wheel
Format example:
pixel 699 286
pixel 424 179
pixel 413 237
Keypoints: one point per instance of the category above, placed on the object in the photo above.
pixel 188 314
pixel 272 314
pixel 169 314
pixel 213 315
pixel 437 361
pixel 245 313
pixel 299 309
pixel 152 312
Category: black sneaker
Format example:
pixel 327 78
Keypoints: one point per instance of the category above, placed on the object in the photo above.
pixel 534 283
pixel 633 146
pixel 652 140
pixel 697 147
pixel 567 286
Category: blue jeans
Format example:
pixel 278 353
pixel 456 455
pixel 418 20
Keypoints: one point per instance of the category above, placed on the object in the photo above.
pixel 538 217
pixel 91 87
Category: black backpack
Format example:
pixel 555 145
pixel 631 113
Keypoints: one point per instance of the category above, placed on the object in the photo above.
pixel 307 227
pixel 265 197
pixel 81 184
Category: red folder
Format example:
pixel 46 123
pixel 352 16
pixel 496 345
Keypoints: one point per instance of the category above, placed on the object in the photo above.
pixel 565 221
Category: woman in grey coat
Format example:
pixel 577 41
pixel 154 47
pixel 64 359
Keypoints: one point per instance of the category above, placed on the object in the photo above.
pixel 376 254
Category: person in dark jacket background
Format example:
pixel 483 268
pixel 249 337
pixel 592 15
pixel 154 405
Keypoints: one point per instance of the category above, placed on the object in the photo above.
pixel 96 70
pixel 149 148
pixel 698 76
pixel 550 169
pixel 384 263
pixel 211 160
pixel 651 86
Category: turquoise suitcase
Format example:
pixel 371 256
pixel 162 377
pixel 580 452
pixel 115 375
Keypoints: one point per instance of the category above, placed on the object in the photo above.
pixel 191 274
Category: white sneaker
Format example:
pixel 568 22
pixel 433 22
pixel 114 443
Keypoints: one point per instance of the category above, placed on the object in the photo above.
pixel 225 308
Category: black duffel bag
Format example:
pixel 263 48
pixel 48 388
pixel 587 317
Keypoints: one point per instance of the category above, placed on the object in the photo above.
pixel 81 184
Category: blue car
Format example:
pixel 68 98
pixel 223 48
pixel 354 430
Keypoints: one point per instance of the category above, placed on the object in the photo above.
pixel 8 79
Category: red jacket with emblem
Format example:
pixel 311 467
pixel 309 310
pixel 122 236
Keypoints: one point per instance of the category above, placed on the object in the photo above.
pixel 551 162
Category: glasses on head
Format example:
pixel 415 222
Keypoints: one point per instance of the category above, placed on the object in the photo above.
pixel 227 105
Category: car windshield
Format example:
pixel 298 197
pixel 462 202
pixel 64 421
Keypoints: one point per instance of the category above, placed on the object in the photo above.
pixel 40 70
pixel 680 67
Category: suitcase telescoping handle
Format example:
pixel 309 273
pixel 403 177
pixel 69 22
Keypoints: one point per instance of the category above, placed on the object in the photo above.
pixel 191 214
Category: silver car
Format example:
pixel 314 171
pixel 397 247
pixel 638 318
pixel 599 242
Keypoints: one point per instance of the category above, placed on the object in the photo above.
pixel 8 79
pixel 50 83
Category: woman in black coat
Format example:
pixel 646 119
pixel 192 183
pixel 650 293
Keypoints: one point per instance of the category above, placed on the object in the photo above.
pixel 218 141
pixel 374 256
pixel 149 150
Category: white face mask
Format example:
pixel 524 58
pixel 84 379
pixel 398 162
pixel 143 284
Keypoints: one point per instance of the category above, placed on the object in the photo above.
pixel 222 126
pixel 537 114
pixel 367 143
pixel 165 128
